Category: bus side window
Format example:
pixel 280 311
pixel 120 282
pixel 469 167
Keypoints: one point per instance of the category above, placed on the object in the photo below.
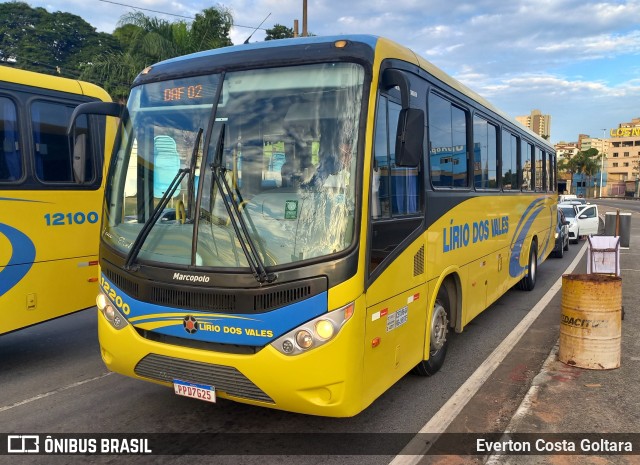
pixel 485 154
pixel 11 160
pixel 510 172
pixel 447 143
pixel 527 162
pixel 396 192
pixel 538 170
pixel 53 159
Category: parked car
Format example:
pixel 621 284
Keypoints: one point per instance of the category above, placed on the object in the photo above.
pixel 562 235
pixel 583 220
pixel 575 201
pixel 567 197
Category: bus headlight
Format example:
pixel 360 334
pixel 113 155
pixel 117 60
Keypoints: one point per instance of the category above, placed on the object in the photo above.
pixel 313 333
pixel 324 329
pixel 304 339
pixel 110 312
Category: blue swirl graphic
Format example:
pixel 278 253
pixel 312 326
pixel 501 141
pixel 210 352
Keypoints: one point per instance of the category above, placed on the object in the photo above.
pixel 528 217
pixel 22 258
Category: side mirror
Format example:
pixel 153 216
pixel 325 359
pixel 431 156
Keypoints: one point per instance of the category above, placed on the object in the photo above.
pixel 396 78
pixel 78 137
pixel 410 137
pixel 409 146
pixel 96 108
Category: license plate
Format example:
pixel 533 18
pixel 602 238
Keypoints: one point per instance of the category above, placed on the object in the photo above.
pixel 195 391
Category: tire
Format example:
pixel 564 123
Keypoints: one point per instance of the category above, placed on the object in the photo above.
pixel 529 281
pixel 560 253
pixel 566 246
pixel 577 237
pixel 438 339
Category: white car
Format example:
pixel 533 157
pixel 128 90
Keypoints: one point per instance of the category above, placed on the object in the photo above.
pixel 583 220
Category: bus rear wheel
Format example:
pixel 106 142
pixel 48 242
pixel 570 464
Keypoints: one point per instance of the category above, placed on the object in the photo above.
pixel 438 341
pixel 529 281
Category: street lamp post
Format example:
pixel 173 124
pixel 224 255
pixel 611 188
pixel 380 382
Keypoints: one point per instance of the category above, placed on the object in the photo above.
pixel 602 156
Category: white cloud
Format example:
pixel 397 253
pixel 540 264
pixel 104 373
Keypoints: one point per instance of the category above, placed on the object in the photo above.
pixel 573 59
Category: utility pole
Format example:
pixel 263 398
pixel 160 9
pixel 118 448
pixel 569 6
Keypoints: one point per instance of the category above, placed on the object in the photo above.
pixel 304 18
pixel 602 157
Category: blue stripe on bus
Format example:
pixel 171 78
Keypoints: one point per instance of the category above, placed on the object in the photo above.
pixel 253 329
pixel 22 258
pixel 524 225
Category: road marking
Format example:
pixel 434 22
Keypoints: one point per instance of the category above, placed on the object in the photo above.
pixel 452 408
pixel 50 393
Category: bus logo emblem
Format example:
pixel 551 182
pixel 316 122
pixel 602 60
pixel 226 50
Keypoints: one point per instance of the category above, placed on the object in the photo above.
pixel 190 324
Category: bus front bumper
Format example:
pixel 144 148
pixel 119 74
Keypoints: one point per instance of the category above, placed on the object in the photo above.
pixel 324 381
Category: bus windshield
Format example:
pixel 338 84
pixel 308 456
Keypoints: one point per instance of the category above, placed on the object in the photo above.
pixel 211 169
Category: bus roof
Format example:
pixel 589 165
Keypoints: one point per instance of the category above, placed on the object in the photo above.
pixel 50 82
pixel 362 46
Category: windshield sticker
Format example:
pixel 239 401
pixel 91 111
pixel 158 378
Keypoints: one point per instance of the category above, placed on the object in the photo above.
pixel 291 210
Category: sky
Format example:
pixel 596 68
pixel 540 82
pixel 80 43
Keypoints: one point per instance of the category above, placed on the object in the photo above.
pixel 576 60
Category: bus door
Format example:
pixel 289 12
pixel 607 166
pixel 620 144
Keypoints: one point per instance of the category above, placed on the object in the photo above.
pixel 396 295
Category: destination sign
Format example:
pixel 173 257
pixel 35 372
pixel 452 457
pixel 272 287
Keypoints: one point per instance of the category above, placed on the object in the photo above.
pixel 199 90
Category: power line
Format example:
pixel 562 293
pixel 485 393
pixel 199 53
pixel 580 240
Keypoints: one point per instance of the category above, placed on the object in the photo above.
pixel 171 14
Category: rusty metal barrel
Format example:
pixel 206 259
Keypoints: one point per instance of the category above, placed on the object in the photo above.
pixel 591 321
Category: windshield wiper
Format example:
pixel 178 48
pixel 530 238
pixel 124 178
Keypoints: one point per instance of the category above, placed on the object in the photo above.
pixel 235 215
pixel 192 172
pixel 155 215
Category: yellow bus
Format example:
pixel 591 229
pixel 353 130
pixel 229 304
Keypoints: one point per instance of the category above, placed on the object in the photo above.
pixel 298 224
pixel 49 202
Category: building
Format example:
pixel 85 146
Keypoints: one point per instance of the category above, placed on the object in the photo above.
pixel 537 122
pixel 566 149
pixel 564 152
pixel 623 158
pixel 586 143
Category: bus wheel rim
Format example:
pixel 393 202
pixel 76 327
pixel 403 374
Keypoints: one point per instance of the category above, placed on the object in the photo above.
pixel 439 324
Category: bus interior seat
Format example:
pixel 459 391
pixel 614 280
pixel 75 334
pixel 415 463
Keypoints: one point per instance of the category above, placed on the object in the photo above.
pixel 166 163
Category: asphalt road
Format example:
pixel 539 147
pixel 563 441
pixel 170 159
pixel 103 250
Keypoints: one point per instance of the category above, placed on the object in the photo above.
pixel 52 380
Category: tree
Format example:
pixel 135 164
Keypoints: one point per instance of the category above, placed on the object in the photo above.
pixel 586 162
pixel 147 40
pixel 53 43
pixel 566 165
pixel 278 31
pixel 211 29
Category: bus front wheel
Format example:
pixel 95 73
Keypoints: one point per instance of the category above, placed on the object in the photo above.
pixel 438 341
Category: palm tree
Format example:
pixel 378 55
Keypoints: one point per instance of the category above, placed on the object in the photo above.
pixel 147 40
